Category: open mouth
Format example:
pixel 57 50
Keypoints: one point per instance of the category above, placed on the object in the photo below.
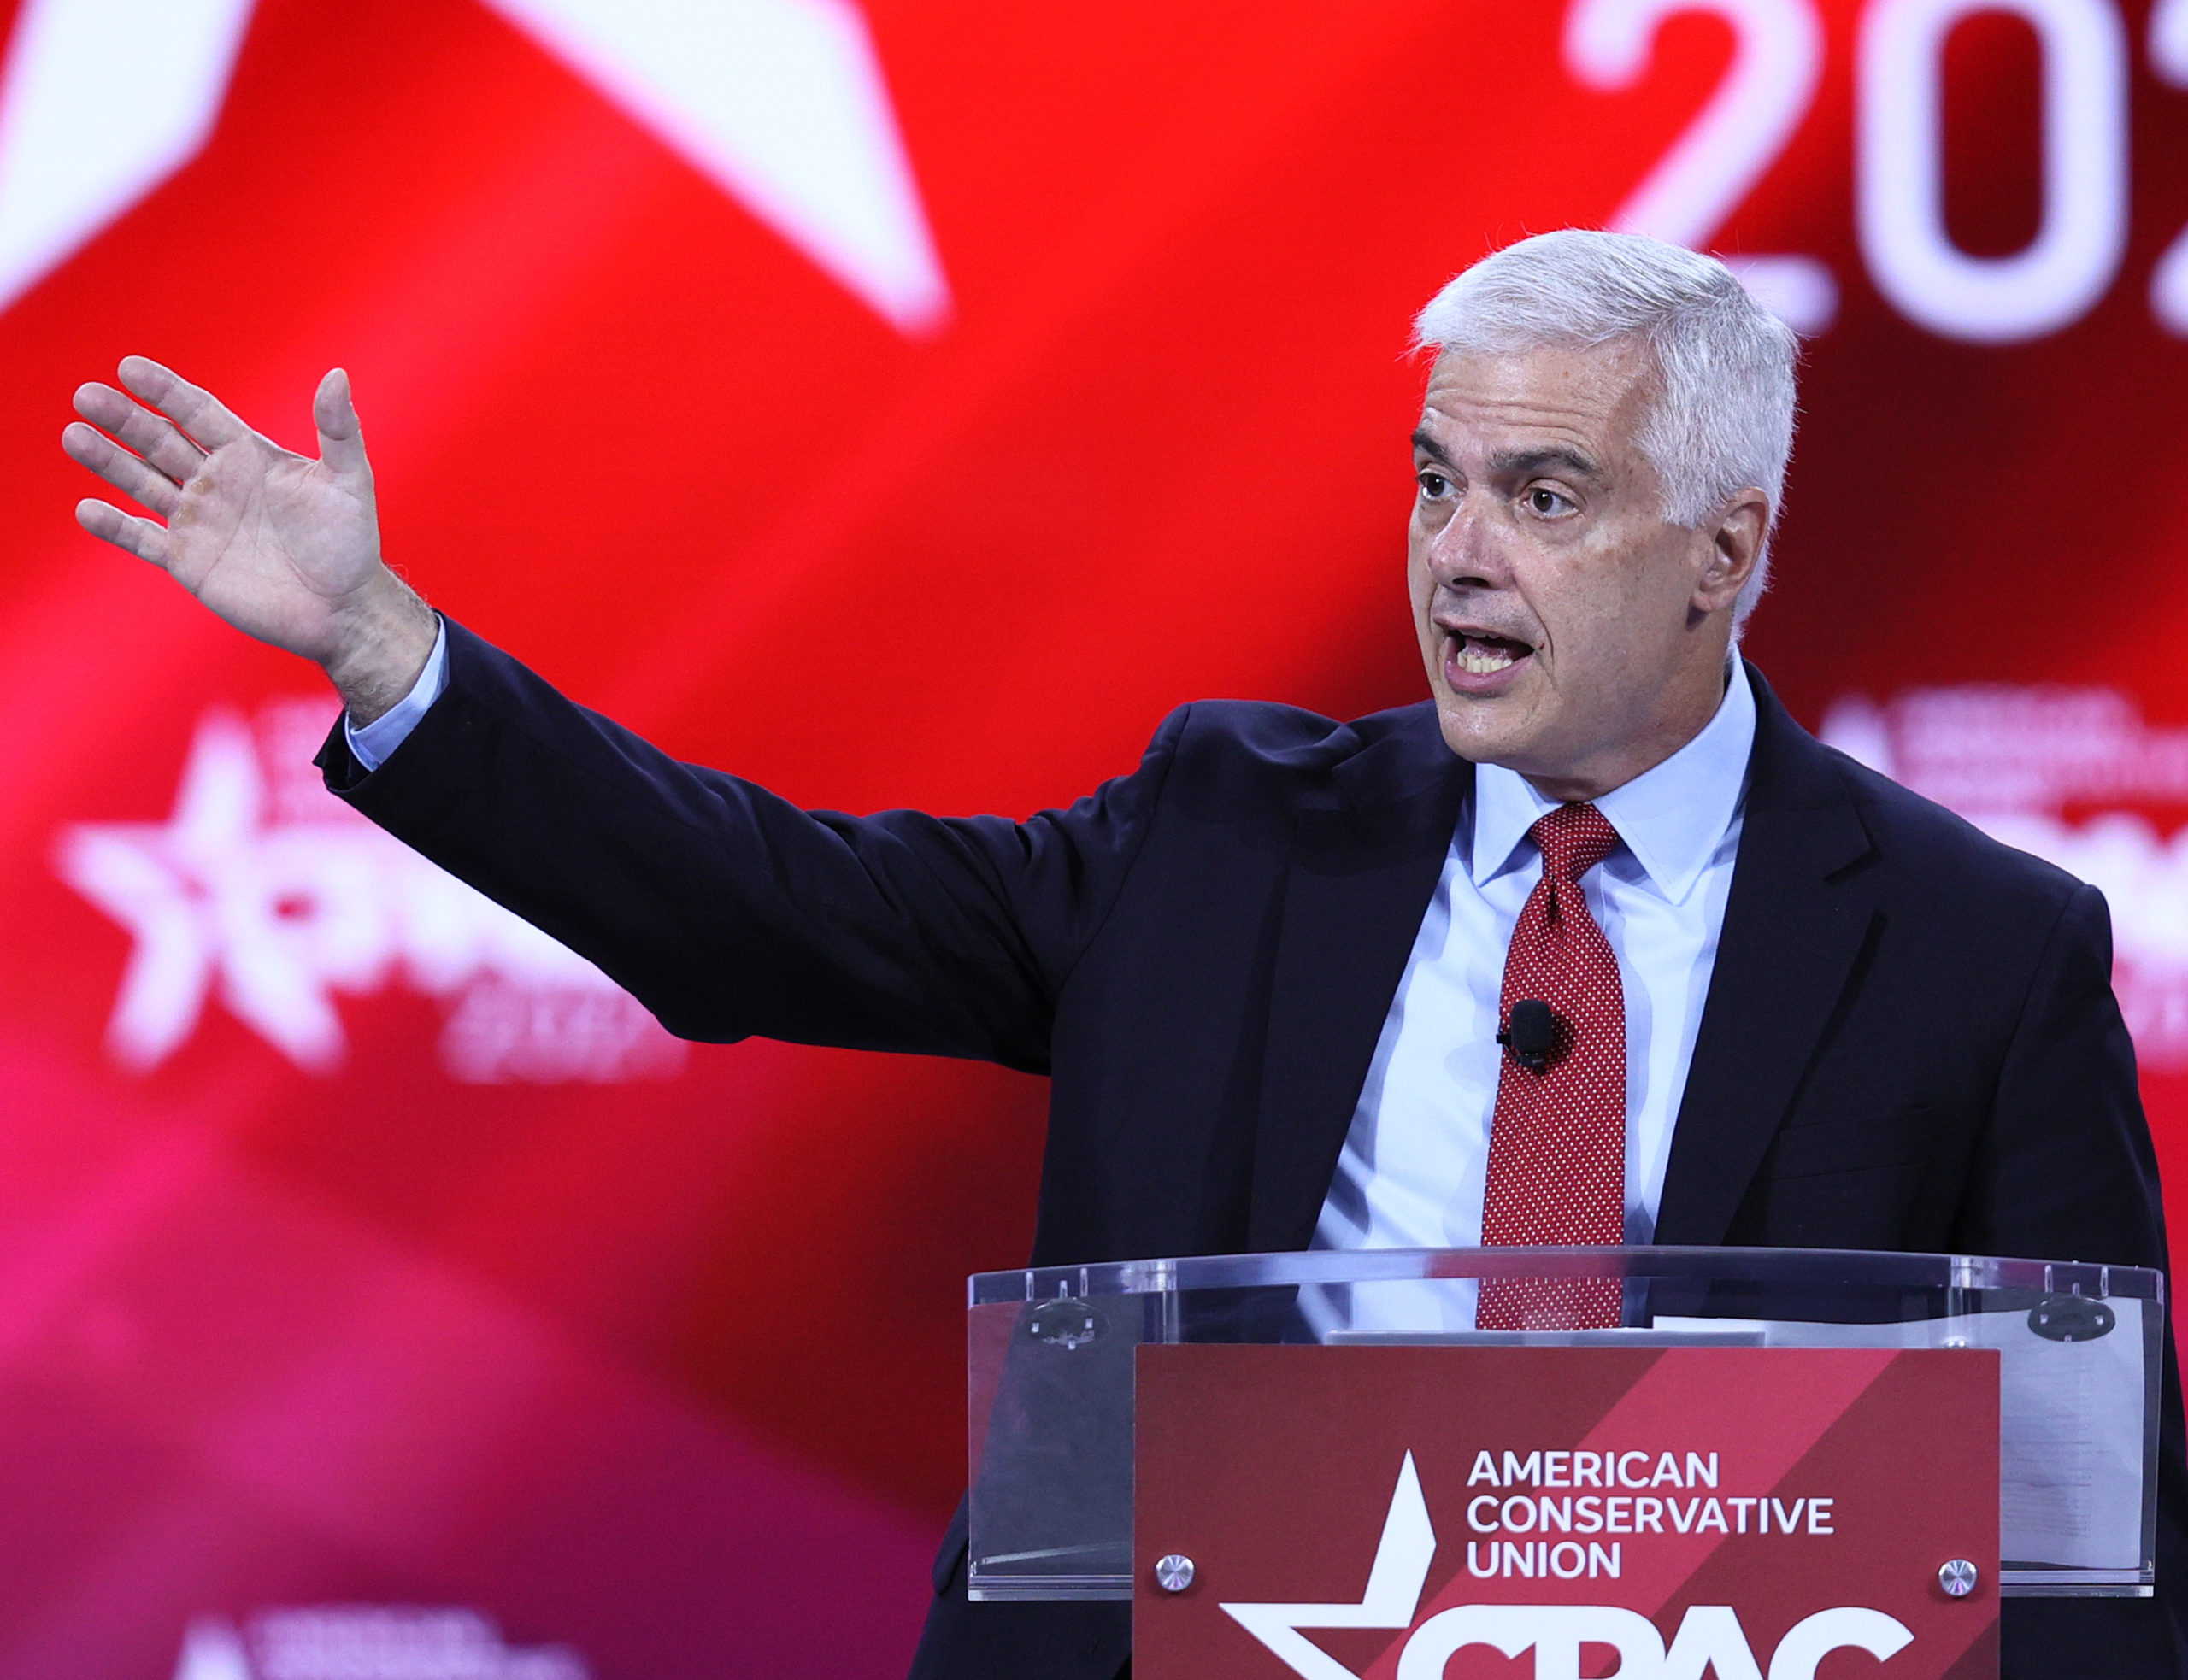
pixel 1480 655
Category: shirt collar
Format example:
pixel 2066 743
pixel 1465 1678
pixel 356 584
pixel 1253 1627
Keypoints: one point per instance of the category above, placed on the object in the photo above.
pixel 1671 816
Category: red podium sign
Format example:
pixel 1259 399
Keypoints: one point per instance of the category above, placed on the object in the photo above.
pixel 1455 1513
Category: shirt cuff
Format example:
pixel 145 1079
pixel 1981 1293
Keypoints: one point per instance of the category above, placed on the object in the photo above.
pixel 372 745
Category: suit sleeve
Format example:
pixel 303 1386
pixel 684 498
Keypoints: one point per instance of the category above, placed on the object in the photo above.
pixel 2067 1172
pixel 2067 1169
pixel 730 913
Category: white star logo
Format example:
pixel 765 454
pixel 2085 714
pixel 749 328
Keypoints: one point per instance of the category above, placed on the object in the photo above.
pixel 781 104
pixel 1709 1640
pixel 1394 1585
pixel 268 893
pixel 204 898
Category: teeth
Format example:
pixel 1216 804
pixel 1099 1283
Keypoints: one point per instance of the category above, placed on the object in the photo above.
pixel 1480 662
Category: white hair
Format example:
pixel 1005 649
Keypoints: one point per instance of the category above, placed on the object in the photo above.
pixel 1721 418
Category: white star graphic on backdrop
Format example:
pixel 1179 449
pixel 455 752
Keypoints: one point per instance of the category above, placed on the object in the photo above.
pixel 1394 1585
pixel 781 104
pixel 201 895
pixel 264 890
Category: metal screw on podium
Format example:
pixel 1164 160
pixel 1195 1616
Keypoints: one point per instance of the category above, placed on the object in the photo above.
pixel 1173 1573
pixel 1064 1323
pixel 1957 1578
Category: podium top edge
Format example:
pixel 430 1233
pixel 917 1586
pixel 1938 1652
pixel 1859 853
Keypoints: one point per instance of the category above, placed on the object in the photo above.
pixel 1815 1268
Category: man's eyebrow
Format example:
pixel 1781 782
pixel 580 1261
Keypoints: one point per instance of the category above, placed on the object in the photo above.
pixel 1424 444
pixel 1525 463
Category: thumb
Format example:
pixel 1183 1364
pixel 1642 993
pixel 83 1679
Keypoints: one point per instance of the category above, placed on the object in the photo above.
pixel 341 439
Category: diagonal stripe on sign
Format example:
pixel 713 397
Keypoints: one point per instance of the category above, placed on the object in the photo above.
pixel 1662 1407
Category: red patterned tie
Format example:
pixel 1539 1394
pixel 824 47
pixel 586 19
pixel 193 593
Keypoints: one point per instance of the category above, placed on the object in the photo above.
pixel 1557 1147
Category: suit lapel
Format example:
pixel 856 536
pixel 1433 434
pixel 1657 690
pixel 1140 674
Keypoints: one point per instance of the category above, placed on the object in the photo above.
pixel 1364 862
pixel 1800 911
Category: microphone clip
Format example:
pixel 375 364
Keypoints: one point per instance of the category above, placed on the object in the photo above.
pixel 1531 1034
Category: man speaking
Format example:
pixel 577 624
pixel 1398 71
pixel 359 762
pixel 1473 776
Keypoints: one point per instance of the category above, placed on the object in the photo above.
pixel 1789 1003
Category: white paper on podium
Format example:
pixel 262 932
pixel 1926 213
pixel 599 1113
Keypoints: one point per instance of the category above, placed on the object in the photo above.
pixel 2070 1475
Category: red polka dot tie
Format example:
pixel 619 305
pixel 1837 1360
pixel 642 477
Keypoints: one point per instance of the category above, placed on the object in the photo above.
pixel 1557 1145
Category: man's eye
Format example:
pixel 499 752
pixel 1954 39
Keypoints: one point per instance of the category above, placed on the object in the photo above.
pixel 1547 502
pixel 1432 484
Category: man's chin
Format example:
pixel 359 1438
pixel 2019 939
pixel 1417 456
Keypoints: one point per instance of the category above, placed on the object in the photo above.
pixel 1484 731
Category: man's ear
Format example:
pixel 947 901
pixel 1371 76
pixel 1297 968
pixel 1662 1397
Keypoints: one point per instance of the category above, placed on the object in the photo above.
pixel 1735 548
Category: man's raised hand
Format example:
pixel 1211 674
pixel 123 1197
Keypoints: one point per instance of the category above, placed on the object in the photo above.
pixel 284 547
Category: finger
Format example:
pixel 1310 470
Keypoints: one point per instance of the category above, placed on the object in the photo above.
pixel 151 435
pixel 90 448
pixel 145 539
pixel 198 412
pixel 341 438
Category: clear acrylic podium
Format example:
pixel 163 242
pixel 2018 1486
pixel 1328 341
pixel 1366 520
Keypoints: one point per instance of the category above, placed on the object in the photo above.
pixel 1052 1354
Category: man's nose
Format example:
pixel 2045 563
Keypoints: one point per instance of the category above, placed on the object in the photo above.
pixel 1467 551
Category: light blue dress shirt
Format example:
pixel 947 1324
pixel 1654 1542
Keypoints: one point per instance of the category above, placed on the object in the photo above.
pixel 371 745
pixel 1415 1164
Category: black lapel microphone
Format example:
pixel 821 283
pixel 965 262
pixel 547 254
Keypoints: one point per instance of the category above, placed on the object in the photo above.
pixel 1532 1033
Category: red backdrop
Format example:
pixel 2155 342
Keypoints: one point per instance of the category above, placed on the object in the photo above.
pixel 905 402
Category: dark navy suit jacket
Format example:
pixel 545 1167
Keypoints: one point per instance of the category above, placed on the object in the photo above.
pixel 1910 1040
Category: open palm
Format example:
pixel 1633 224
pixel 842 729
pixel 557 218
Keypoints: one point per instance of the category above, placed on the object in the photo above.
pixel 284 547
